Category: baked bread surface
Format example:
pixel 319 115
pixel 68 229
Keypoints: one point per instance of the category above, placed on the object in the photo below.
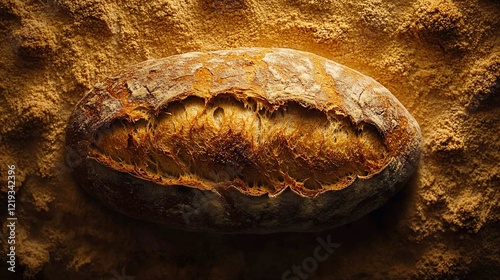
pixel 250 140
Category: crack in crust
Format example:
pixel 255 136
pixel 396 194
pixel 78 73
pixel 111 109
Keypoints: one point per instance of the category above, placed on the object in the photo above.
pixel 244 143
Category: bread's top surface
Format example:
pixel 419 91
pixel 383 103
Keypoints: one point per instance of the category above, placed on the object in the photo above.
pixel 259 120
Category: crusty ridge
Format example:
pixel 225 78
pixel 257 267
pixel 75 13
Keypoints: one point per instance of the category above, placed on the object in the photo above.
pixel 274 79
pixel 226 141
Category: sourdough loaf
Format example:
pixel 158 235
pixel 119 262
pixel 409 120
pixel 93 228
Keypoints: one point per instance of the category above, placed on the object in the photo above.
pixel 250 140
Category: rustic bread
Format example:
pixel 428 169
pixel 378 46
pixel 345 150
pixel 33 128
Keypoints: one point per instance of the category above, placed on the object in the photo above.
pixel 246 140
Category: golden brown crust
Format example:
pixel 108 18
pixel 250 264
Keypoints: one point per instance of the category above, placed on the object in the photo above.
pixel 257 133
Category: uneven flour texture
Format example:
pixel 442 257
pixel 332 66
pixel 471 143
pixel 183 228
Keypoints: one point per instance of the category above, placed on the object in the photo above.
pixel 440 58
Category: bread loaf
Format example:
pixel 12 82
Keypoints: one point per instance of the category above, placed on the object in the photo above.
pixel 251 140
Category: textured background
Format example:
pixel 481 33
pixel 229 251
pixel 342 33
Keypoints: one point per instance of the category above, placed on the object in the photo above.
pixel 441 59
